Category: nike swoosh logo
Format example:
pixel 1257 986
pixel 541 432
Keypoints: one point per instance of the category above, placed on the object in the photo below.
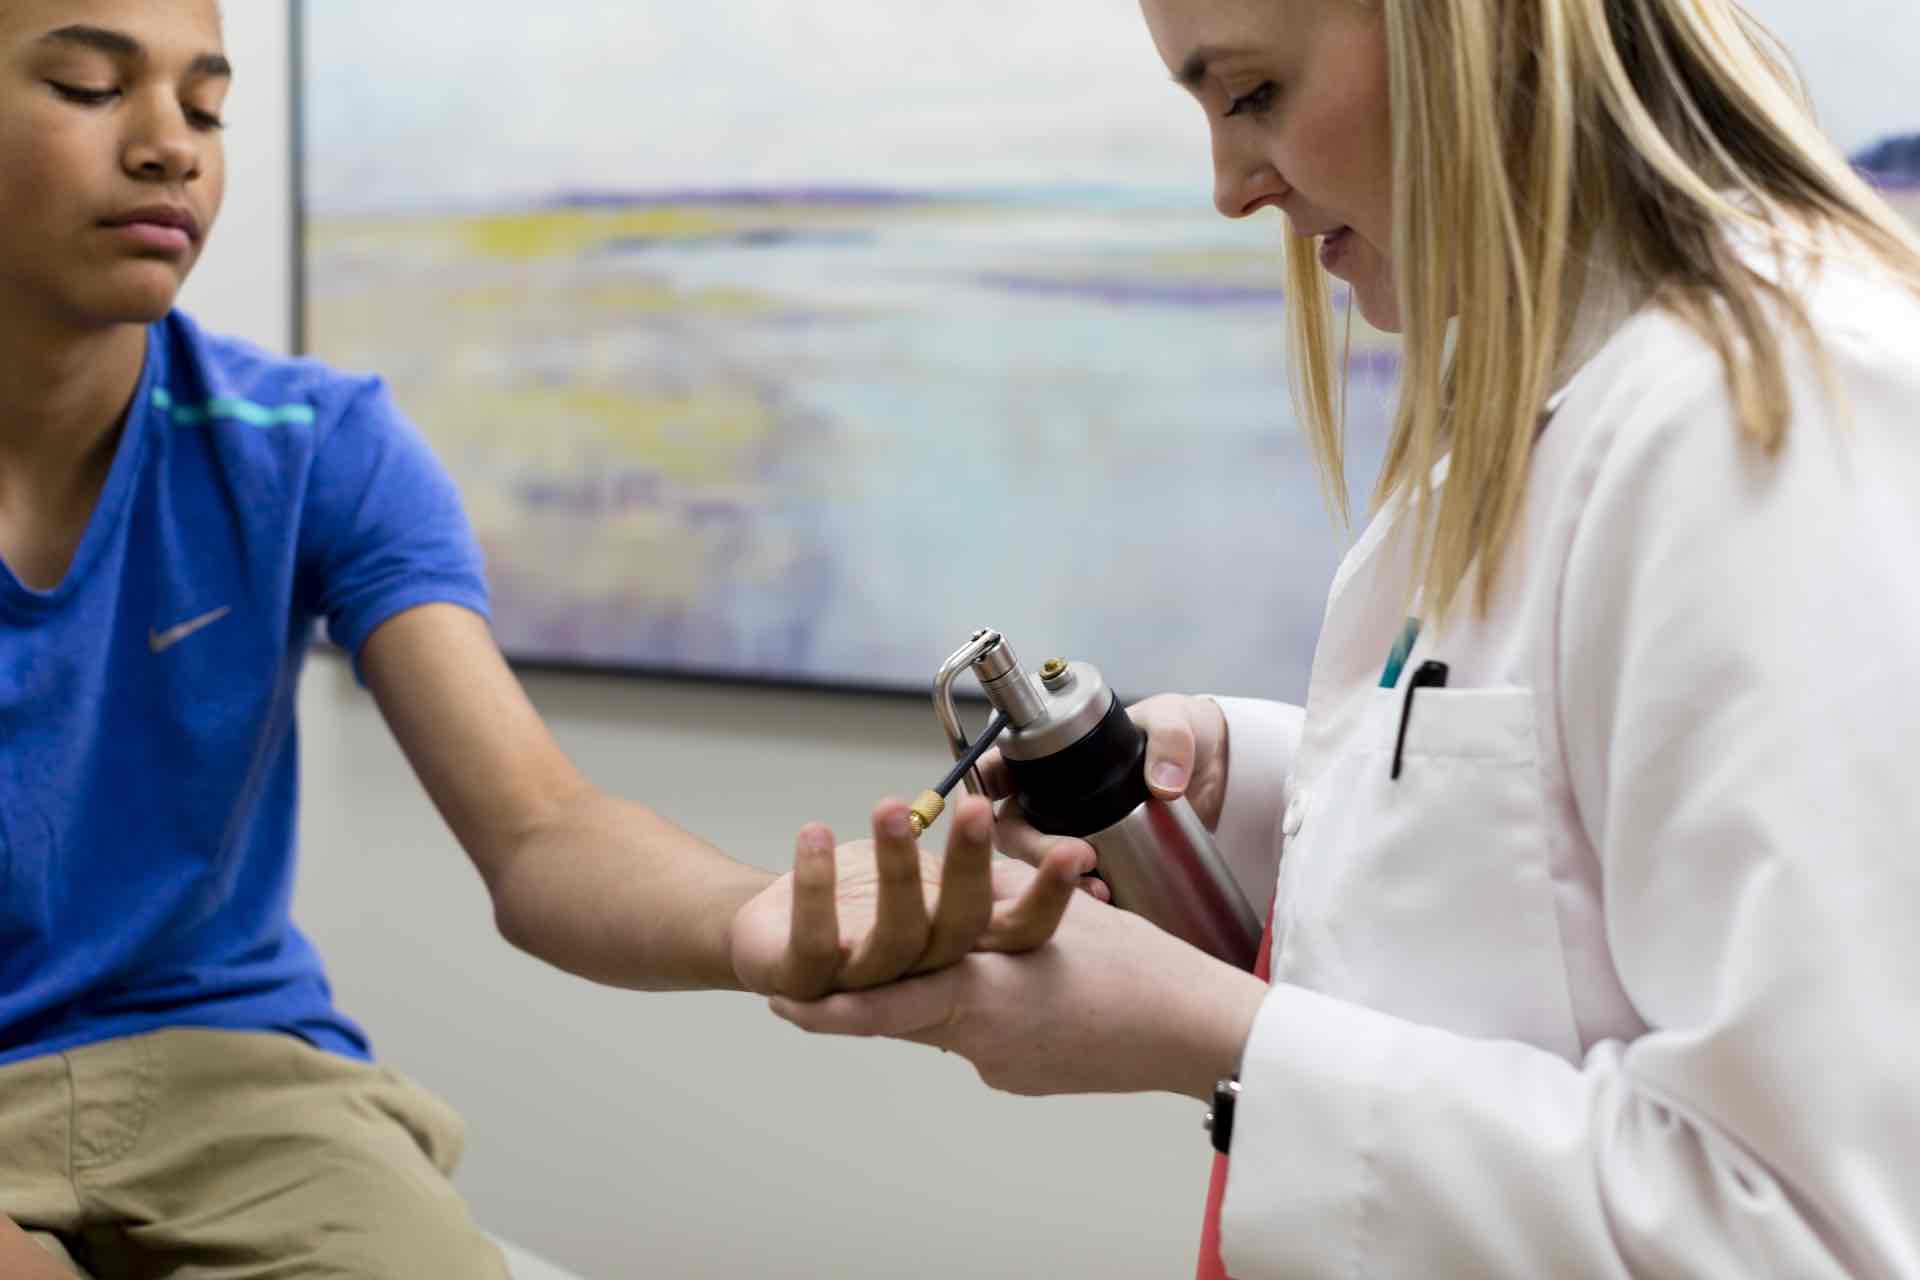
pixel 161 641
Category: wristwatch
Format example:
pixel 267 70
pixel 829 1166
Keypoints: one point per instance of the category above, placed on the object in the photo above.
pixel 1219 1121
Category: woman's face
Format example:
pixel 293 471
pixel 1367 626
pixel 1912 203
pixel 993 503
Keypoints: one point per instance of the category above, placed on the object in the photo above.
pixel 1296 98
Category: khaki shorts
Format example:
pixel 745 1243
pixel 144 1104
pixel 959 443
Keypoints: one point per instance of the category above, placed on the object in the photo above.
pixel 218 1155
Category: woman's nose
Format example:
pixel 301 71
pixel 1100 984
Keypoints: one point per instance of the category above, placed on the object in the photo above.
pixel 1243 179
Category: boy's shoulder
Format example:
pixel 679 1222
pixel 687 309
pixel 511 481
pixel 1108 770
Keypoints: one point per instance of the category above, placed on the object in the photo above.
pixel 217 376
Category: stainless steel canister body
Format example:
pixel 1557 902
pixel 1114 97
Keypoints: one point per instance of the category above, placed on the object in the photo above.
pixel 1161 863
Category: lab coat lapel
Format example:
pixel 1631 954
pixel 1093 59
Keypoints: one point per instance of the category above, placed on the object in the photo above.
pixel 1367 607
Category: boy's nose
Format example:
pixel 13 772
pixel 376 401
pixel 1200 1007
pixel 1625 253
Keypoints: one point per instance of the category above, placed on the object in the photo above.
pixel 164 151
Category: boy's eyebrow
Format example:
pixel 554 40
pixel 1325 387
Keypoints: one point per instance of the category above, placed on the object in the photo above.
pixel 119 44
pixel 99 39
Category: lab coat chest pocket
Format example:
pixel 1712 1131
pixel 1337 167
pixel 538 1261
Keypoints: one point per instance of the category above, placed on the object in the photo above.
pixel 1429 896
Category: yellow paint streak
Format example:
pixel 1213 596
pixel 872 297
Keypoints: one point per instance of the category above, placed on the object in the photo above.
pixel 691 438
pixel 567 233
pixel 697 439
pixel 627 298
pixel 1234 266
pixel 647 559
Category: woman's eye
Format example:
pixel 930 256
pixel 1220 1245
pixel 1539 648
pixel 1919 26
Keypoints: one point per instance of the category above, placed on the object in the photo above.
pixel 1259 102
pixel 84 96
pixel 205 119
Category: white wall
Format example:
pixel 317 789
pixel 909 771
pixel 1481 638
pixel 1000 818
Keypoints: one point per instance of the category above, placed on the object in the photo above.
pixel 696 1135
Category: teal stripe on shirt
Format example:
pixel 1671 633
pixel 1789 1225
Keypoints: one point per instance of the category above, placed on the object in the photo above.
pixel 233 409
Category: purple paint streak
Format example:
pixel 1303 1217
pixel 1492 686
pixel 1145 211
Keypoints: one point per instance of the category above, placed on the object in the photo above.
pixel 1137 292
pixel 770 197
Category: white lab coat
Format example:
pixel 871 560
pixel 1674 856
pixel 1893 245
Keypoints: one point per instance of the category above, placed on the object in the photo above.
pixel 1622 976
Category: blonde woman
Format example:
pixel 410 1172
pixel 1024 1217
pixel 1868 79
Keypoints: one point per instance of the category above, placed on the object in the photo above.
pixel 1595 851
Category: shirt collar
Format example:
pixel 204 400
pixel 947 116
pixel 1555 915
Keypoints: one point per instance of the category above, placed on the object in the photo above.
pixel 1608 299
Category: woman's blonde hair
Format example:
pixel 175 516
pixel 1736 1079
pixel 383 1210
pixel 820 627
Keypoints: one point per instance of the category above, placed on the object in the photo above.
pixel 1530 138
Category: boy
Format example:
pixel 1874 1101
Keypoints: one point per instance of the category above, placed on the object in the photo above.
pixel 178 1094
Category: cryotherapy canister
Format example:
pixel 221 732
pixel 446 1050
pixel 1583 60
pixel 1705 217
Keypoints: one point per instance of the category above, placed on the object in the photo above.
pixel 1078 768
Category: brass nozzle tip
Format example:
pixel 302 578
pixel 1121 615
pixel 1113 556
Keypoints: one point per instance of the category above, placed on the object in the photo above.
pixel 925 811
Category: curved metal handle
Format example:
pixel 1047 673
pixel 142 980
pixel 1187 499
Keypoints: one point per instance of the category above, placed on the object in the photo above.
pixel 943 707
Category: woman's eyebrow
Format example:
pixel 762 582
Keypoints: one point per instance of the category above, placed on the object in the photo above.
pixel 119 44
pixel 1194 69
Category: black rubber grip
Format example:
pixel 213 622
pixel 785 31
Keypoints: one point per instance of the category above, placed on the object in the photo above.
pixel 1088 786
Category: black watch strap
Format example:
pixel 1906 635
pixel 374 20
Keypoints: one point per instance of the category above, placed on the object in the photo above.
pixel 1219 1121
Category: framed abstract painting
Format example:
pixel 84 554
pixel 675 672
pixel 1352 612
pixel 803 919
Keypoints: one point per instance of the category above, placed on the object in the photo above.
pixel 791 341
pixel 794 341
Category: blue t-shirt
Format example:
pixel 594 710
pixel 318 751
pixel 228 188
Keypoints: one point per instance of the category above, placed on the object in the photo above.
pixel 148 763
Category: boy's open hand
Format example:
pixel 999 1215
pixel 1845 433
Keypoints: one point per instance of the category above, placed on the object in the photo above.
pixel 878 910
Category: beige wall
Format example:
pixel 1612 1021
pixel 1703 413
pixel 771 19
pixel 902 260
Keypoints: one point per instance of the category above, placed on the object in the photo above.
pixel 628 1135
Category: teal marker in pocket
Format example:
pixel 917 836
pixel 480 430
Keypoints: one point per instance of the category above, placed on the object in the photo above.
pixel 1402 650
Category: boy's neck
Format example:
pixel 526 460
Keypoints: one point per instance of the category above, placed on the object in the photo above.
pixel 62 400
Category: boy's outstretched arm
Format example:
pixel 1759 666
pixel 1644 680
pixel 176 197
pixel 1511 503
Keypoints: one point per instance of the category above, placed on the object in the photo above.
pixel 22 1259
pixel 610 890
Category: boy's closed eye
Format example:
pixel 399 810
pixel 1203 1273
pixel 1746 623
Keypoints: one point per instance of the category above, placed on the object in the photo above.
pixel 83 95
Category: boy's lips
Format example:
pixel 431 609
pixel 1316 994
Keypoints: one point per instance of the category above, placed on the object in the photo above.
pixel 159 218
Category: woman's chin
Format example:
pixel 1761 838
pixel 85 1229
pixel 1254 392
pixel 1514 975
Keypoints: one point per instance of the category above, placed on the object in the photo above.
pixel 1381 313
pixel 1379 306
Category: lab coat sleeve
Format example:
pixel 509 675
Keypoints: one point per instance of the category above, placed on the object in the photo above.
pixel 1262 738
pixel 1739 646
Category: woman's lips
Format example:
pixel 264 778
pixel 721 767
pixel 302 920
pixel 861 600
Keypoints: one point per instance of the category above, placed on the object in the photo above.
pixel 1333 247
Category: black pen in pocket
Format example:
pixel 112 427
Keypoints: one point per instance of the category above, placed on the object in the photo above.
pixel 1429 675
